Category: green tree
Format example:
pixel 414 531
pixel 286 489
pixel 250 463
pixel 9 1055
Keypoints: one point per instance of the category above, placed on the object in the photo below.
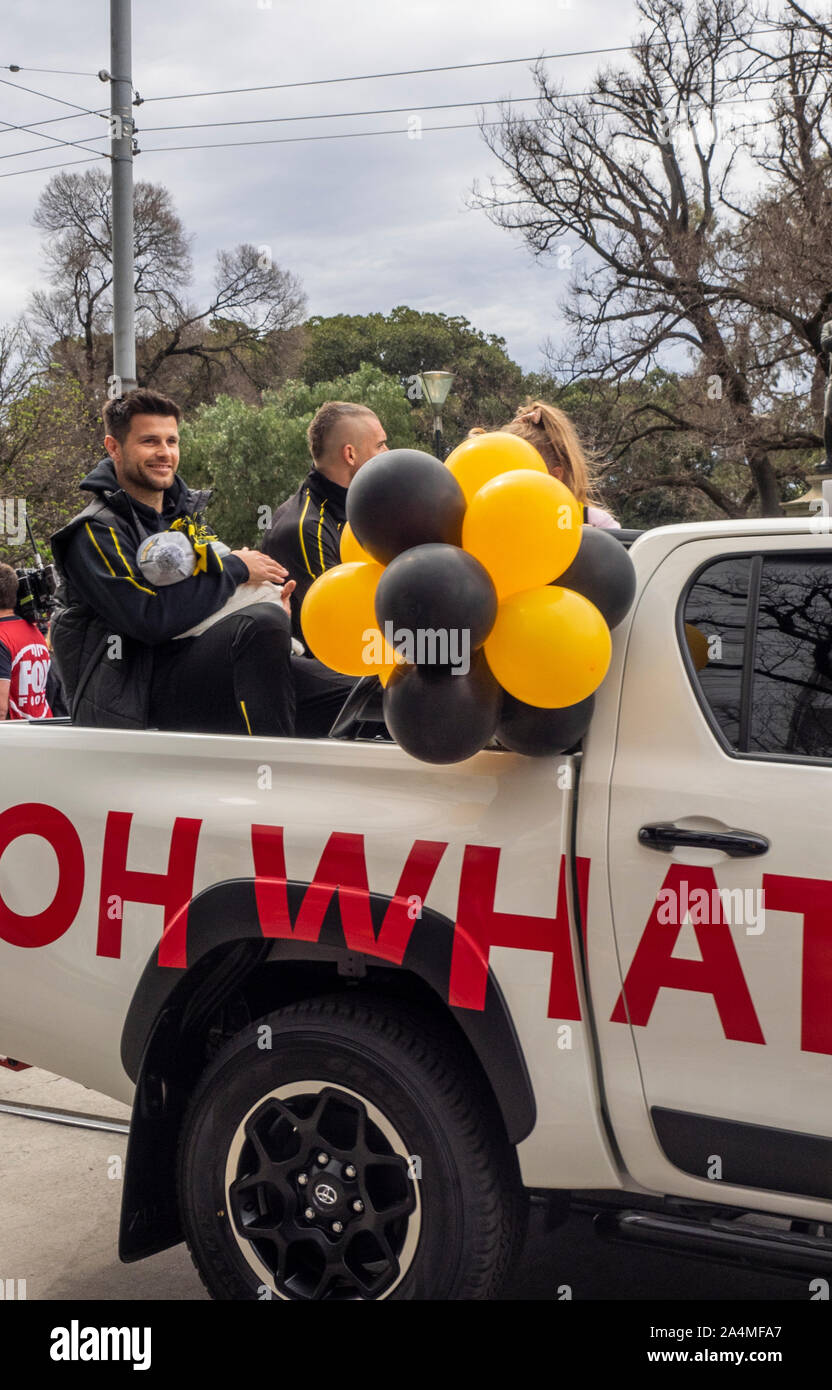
pixel 488 385
pixel 254 457
pixel 47 445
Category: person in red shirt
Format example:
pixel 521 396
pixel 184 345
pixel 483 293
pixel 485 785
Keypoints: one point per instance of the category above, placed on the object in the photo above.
pixel 24 658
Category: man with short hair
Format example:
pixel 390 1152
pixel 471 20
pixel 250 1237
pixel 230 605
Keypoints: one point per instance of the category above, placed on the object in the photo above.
pixel 306 528
pixel 122 642
pixel 24 658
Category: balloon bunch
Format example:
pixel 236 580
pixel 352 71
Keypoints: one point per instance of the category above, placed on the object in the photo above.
pixel 474 592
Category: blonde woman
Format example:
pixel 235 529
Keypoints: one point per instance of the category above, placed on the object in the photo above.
pixel 555 438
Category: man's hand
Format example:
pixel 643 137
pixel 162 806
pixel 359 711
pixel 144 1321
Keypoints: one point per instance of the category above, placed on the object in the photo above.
pixel 285 597
pixel 262 569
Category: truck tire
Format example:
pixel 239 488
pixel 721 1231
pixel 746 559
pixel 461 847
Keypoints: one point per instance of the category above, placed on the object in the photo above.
pixel 347 1148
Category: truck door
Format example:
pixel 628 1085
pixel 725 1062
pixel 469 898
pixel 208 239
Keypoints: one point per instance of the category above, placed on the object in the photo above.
pixel 720 870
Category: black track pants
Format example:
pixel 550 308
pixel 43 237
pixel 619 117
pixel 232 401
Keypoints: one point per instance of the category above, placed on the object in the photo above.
pixel 240 677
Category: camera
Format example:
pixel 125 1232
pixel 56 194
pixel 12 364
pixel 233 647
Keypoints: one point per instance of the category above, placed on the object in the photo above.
pixel 36 595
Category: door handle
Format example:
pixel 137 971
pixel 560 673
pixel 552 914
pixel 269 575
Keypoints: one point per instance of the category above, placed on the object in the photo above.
pixel 738 844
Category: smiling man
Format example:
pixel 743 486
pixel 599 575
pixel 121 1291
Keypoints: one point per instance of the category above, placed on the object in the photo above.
pixel 122 643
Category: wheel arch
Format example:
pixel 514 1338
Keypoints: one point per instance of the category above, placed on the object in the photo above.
pixel 233 975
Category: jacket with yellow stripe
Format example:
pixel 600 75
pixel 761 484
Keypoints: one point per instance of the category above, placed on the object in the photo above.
pixel 305 535
pixel 103 596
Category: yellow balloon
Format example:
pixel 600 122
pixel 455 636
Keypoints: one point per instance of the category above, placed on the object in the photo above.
pixel 476 461
pixel 525 528
pixel 338 619
pixel 350 548
pixel 549 647
pixel 698 646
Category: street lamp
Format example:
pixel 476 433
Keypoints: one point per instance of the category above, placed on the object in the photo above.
pixel 436 386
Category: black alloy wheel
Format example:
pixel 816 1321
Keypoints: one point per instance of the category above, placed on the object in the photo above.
pixel 348 1148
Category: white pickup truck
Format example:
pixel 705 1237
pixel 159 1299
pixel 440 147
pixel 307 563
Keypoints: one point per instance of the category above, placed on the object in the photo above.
pixel 364 1006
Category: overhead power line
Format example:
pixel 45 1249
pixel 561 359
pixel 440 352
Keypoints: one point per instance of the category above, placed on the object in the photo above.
pixel 275 120
pixel 68 144
pixel 346 135
pixel 375 76
pixel 418 72
pixel 52 120
pixel 296 139
pixel 360 134
pixel 41 168
pixel 55 139
pixel 47 96
pixel 318 116
pixel 61 72
pixel 301 139
pixel 349 135
pixel 386 110
pixel 327 81
pixel 341 115
pixel 285 140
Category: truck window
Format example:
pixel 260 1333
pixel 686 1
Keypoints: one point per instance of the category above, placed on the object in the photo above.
pixel 767 680
pixel 716 608
pixel 791 707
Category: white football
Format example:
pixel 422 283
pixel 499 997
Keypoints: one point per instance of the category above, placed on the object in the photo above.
pixel 166 558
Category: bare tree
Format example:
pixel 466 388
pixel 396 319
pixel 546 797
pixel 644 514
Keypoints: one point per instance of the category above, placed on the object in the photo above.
pixel 18 370
pixel 254 301
pixel 74 211
pixel 254 305
pixel 689 209
pixel 779 263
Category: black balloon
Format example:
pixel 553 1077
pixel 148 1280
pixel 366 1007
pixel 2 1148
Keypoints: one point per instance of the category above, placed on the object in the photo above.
pixel 442 593
pixel 401 499
pixel 603 572
pixel 440 717
pixel 535 732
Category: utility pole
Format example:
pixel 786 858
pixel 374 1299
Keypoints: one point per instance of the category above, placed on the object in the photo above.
pixel 121 149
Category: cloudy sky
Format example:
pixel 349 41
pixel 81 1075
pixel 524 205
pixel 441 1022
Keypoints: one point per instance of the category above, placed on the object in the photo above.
pixel 367 223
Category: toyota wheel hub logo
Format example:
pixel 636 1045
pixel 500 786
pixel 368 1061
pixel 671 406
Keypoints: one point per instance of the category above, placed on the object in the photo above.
pixel 326 1195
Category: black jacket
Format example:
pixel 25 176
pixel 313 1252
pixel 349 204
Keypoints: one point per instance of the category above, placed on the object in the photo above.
pixel 103 596
pixel 305 535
